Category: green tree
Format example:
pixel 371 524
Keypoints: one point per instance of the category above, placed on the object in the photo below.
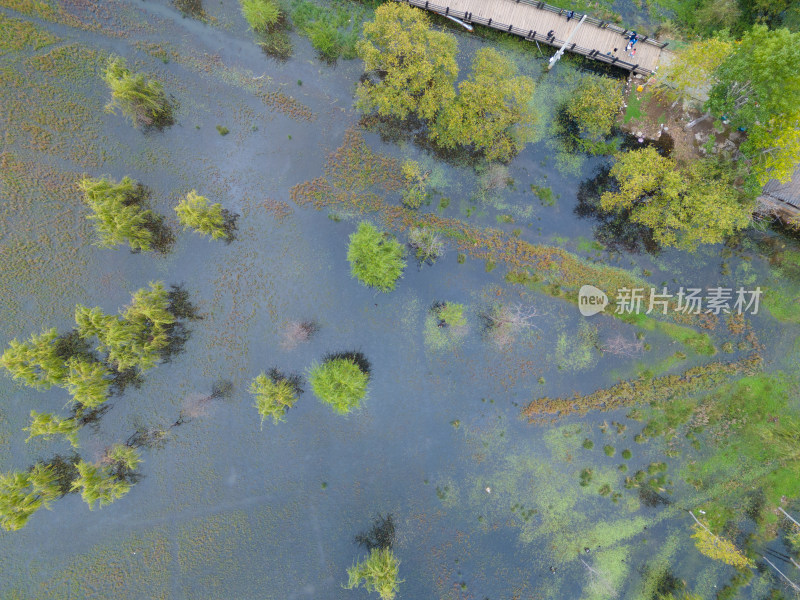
pixel 594 106
pixel 375 257
pixel 36 362
pixel 415 190
pixel 718 548
pixel 757 87
pixel 47 425
pixel 88 382
pixel 492 113
pixel 137 337
pixel 142 100
pixel 23 493
pixel 683 206
pixel 692 67
pixel 196 212
pixel 117 212
pixel 98 485
pixel 124 459
pixel 274 396
pixel 377 573
pixel 340 382
pixel 415 67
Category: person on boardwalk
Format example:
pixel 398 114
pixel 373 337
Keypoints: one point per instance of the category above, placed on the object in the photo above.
pixel 570 14
pixel 551 34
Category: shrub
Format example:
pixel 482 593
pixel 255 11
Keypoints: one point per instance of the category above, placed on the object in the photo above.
pixel 326 39
pixel 195 212
pixel 262 15
pixel 451 313
pixel 375 257
pixel 142 100
pixel 378 573
pixel 120 215
pixel 274 396
pixel 415 179
pixel 98 484
pixel 340 381
pixel 22 494
pixel 47 425
pixel 609 450
pixel 88 382
pixel 428 245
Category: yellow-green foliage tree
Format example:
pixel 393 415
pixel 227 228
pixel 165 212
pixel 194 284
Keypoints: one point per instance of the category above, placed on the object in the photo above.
pixel 415 178
pixel 117 212
pixel 491 113
pixel 692 67
pixel 684 206
pixel 142 100
pixel 23 493
pixel 415 68
pixel 718 548
pixel 274 396
pixel 377 573
pixel 88 382
pixel 35 363
pixel 47 425
pixel 757 87
pixel 594 106
pixel 196 212
pixel 98 484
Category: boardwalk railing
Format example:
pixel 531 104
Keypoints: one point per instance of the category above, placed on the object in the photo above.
pixel 540 37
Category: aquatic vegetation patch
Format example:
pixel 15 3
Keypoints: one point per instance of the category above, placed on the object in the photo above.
pixel 445 326
pixel 630 393
pixel 577 352
pixel 333 30
pixel 16 35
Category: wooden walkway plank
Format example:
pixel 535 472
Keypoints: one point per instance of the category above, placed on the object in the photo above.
pixel 525 16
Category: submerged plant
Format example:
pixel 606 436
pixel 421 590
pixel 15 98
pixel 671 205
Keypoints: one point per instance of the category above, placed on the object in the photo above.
pixel 377 573
pixel 23 493
pixel 142 100
pixel 341 381
pixel 47 425
pixel 275 394
pixel 196 212
pixel 375 257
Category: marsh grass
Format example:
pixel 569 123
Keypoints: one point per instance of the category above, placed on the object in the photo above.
pixel 340 381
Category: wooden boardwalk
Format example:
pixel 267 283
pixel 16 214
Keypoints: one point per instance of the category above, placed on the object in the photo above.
pixel 533 20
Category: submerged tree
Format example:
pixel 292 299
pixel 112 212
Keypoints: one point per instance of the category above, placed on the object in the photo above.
pixel 47 425
pixel 120 215
pixel 377 573
pixel 275 394
pixel 196 212
pixel 683 206
pixel 139 336
pixel 23 493
pixel 36 363
pixel 491 113
pixel 98 484
pixel 375 257
pixel 142 100
pixel 341 381
pixel 415 190
pixel 413 69
pixel 427 244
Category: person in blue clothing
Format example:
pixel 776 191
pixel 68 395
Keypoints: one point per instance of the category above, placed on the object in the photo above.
pixel 570 14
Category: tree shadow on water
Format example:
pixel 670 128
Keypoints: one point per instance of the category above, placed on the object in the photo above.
pixel 380 536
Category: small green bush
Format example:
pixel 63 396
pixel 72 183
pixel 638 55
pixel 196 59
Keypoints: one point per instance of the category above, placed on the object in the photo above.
pixel 627 454
pixel 261 15
pixel 274 395
pixel 609 450
pixel 378 573
pixel 340 381
pixel 375 257
pixel 142 100
pixel 588 444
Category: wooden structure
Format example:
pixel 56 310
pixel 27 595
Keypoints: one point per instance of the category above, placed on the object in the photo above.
pixel 782 200
pixel 533 21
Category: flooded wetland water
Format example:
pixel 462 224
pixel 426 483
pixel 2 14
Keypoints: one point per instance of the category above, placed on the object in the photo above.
pixel 522 450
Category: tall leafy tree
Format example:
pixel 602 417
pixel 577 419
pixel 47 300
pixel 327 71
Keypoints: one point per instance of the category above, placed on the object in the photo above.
pixel 47 425
pixel 98 484
pixel 88 382
pixel 140 99
pixel 757 86
pixel 35 363
pixel 23 493
pixel 375 257
pixel 692 67
pixel 491 113
pixel 196 212
pixel 594 106
pixel 684 206
pixel 414 68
